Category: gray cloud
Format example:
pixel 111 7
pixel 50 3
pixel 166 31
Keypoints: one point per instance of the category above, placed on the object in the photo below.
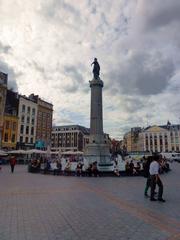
pixel 74 73
pixel 76 77
pixel 4 48
pixel 61 11
pixel 157 14
pixel 132 104
pixel 63 121
pixel 38 68
pixel 142 73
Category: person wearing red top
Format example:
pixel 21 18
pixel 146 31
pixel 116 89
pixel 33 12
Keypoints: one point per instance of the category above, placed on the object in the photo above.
pixel 12 163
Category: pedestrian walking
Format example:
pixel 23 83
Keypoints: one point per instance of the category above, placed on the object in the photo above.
pixel 146 167
pixel 12 163
pixel 155 179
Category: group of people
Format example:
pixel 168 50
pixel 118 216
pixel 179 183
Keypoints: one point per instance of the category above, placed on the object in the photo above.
pixel 57 167
pixel 91 170
pixel 153 166
pixel 131 169
pixel 35 166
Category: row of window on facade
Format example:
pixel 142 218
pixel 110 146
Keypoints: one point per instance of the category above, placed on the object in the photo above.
pixel 65 129
pixel 27 120
pixel 161 149
pixel 64 136
pixel 44 125
pixel 155 141
pixel 26 140
pixel 64 139
pixel 176 140
pixel 43 115
pixel 27 130
pixel 55 135
pixel 172 133
pixel 8 138
pixel 28 109
pixel 64 144
pixel 150 140
pixel 155 136
pixel 175 148
pixel 10 125
pixel 12 139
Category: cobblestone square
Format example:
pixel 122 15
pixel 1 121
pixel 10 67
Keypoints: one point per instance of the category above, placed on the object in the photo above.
pixel 46 207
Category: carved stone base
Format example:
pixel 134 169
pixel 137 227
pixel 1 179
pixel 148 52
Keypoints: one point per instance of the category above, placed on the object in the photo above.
pixel 99 153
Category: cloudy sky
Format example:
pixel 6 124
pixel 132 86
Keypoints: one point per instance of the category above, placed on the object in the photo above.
pixel 46 47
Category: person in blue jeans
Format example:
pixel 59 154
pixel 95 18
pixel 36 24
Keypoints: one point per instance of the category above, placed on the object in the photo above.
pixel 155 179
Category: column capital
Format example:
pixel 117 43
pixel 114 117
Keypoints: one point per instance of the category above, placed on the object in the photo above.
pixel 96 82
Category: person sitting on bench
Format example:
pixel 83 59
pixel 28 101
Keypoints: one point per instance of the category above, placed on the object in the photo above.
pixel 79 169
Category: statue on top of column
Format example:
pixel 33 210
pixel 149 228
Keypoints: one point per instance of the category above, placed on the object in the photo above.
pixel 96 68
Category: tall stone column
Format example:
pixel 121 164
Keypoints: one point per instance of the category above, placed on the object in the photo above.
pixel 96 115
pixel 98 149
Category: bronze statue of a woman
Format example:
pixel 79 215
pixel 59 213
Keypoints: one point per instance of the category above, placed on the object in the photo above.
pixel 96 68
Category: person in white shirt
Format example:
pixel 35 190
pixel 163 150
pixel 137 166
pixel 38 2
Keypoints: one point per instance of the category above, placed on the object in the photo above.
pixel 155 179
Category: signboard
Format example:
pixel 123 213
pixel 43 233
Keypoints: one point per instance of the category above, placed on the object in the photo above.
pixel 40 144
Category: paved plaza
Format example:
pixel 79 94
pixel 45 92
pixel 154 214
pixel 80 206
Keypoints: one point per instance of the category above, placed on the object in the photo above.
pixel 46 207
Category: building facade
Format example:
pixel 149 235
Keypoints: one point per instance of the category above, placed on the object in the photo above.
pixel 132 140
pixel 69 138
pixel 115 146
pixel 10 126
pixel 27 114
pixel 10 130
pixel 163 138
pixel 44 120
pixel 3 90
pixel 174 131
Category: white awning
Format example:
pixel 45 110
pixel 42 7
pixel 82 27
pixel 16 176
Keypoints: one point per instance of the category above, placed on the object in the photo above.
pixel 72 153
pixel 19 151
pixel 3 153
pixel 31 151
